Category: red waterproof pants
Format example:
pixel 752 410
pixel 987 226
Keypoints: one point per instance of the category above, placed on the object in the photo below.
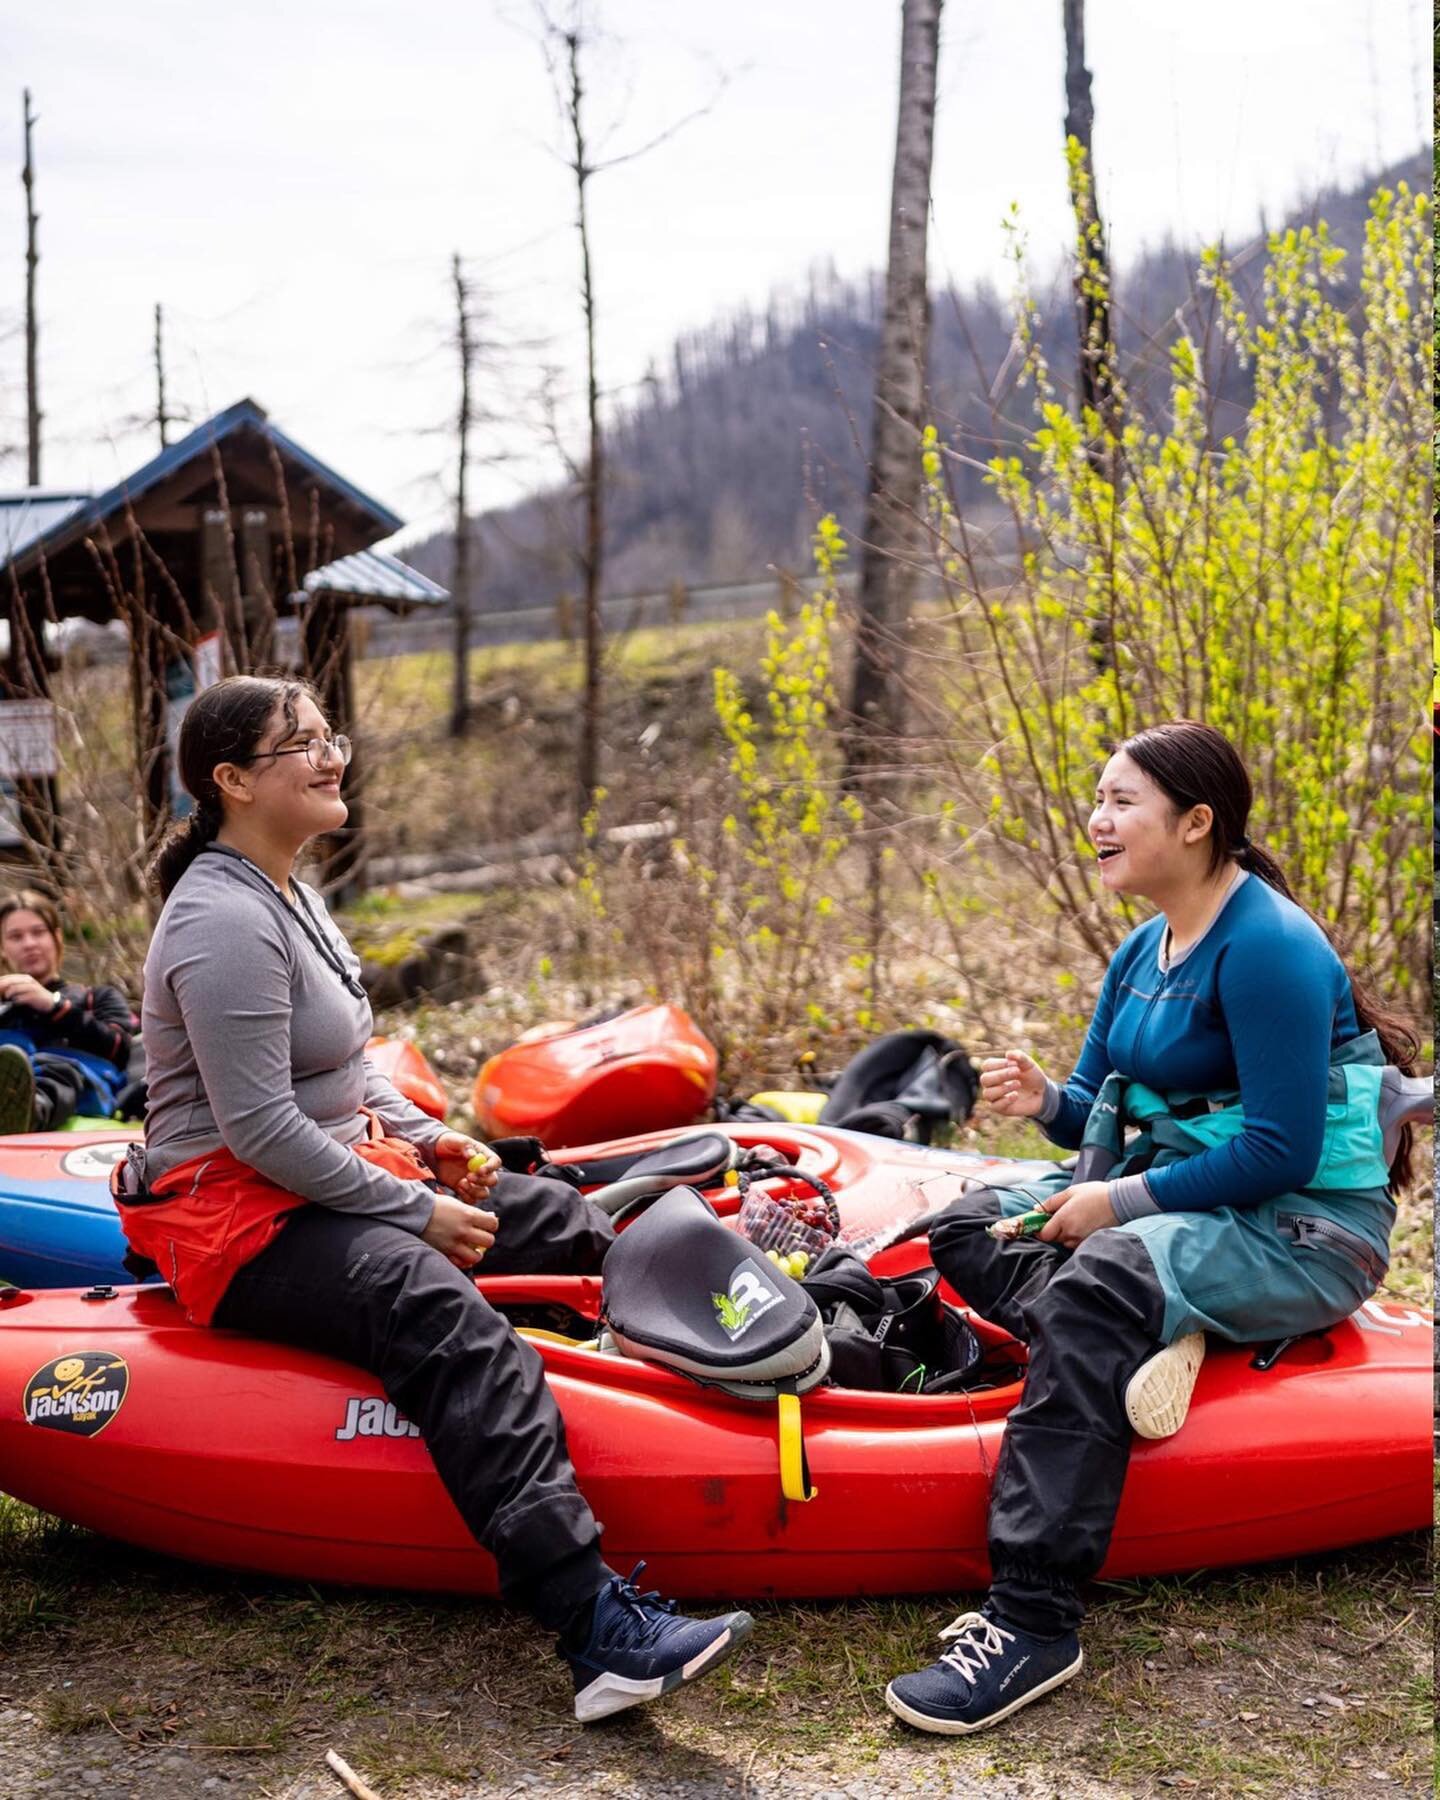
pixel 211 1215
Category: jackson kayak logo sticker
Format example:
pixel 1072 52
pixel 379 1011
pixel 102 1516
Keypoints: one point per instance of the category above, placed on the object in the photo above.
pixel 79 1393
pixel 369 1416
pixel 749 1296
pixel 93 1162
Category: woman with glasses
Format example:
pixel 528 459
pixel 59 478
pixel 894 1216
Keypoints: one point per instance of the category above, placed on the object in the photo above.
pixel 290 1192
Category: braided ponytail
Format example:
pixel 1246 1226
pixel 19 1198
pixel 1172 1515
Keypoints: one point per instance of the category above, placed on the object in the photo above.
pixel 223 723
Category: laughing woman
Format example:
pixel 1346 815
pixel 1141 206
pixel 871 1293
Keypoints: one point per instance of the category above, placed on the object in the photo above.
pixel 290 1192
pixel 1254 1201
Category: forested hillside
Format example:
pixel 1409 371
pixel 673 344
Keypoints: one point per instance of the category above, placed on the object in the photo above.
pixel 720 466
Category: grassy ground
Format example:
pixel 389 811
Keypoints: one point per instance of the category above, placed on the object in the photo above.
pixel 1304 1679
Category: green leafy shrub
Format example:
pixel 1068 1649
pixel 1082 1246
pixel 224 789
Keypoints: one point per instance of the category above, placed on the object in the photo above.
pixel 1273 582
pixel 768 886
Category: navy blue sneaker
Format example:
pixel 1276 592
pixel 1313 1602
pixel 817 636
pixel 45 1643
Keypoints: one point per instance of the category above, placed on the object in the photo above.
pixel 641 1647
pixel 991 1671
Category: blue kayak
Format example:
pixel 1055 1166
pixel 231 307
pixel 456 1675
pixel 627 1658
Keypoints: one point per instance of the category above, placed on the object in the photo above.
pixel 58 1225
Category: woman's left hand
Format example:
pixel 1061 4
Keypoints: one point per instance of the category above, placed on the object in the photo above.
pixel 25 990
pixel 454 1153
pixel 1076 1212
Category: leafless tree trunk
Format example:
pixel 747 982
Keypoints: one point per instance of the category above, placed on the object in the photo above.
pixel 162 417
pixel 1092 263
pixel 892 525
pixel 460 584
pixel 32 257
pixel 592 555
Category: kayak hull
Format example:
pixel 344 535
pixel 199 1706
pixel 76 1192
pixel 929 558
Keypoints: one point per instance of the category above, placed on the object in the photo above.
pixel 226 1450
pixel 644 1070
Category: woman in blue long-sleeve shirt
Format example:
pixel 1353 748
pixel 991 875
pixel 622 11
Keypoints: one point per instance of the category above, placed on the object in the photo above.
pixel 1253 1201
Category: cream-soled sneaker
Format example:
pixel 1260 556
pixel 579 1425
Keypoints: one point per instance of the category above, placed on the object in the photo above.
pixel 1157 1396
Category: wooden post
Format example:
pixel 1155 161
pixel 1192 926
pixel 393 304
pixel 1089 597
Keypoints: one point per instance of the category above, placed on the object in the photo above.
pixel 149 708
pixel 330 664
pixel 26 678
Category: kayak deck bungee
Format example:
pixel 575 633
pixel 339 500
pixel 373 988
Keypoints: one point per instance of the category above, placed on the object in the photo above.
pixel 224 1449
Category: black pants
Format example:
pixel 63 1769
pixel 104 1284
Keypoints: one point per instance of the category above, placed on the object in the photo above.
pixel 58 1086
pixel 1090 1319
pixel 375 1295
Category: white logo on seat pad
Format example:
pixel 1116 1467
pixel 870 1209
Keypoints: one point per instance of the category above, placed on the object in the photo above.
pixel 749 1295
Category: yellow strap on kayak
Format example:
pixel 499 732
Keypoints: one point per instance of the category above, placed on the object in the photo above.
pixel 556 1337
pixel 794 1467
pixel 803 1108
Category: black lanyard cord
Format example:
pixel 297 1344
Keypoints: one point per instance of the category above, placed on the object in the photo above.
pixel 301 914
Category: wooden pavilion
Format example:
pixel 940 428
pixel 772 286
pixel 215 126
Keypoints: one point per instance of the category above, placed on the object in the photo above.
pixel 199 553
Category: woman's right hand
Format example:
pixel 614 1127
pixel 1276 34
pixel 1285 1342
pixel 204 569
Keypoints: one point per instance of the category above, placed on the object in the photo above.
pixel 460 1231
pixel 1013 1085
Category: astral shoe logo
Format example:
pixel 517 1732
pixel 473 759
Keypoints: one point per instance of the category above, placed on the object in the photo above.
pixel 749 1296
pixel 369 1416
pixel 80 1393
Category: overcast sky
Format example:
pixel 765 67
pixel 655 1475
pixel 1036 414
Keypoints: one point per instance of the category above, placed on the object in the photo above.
pixel 290 178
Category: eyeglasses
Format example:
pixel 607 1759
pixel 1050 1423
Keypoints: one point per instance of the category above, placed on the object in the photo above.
pixel 317 751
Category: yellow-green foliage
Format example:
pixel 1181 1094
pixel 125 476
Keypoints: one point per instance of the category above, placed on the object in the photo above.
pixel 1273 582
pixel 768 888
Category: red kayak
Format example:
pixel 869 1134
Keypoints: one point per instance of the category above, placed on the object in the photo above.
pixel 405 1068
pixel 643 1070
pixel 116 1414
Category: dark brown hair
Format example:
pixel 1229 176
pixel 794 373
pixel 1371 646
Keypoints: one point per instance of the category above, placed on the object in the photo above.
pixel 1194 765
pixel 223 723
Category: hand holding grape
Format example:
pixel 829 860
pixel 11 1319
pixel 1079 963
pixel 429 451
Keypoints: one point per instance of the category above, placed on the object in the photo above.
pixel 466 1165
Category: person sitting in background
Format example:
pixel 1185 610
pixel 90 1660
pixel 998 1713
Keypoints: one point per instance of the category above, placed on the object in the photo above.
pixel 64 1048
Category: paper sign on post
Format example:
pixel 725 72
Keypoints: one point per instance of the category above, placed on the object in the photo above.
pixel 27 739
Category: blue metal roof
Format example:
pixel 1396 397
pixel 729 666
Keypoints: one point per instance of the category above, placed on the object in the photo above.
pixel 30 515
pixel 244 415
pixel 376 575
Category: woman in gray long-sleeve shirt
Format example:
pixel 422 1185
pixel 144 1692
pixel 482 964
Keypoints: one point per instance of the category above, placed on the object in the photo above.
pixel 290 1192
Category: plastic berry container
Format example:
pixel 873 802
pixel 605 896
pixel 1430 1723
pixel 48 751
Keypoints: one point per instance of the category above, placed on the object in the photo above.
pixel 770 1225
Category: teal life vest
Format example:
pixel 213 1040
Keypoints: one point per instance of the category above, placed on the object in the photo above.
pixel 1172 1125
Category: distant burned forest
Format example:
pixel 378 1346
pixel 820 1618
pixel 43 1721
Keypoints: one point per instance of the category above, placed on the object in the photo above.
pixel 719 466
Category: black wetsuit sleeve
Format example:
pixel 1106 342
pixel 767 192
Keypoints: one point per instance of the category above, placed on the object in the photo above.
pixel 97 1020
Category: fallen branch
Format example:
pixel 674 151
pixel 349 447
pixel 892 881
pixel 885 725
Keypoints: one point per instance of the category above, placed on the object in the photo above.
pixel 348 1778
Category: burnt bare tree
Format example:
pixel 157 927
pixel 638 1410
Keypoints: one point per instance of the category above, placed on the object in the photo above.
pixel 1092 261
pixel 32 329
pixel 893 530
pixel 565 46
pixel 593 548
pixel 460 578
pixel 163 417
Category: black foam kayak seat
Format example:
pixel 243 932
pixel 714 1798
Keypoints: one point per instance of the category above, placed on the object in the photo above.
pixel 698 1160
pixel 682 1290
